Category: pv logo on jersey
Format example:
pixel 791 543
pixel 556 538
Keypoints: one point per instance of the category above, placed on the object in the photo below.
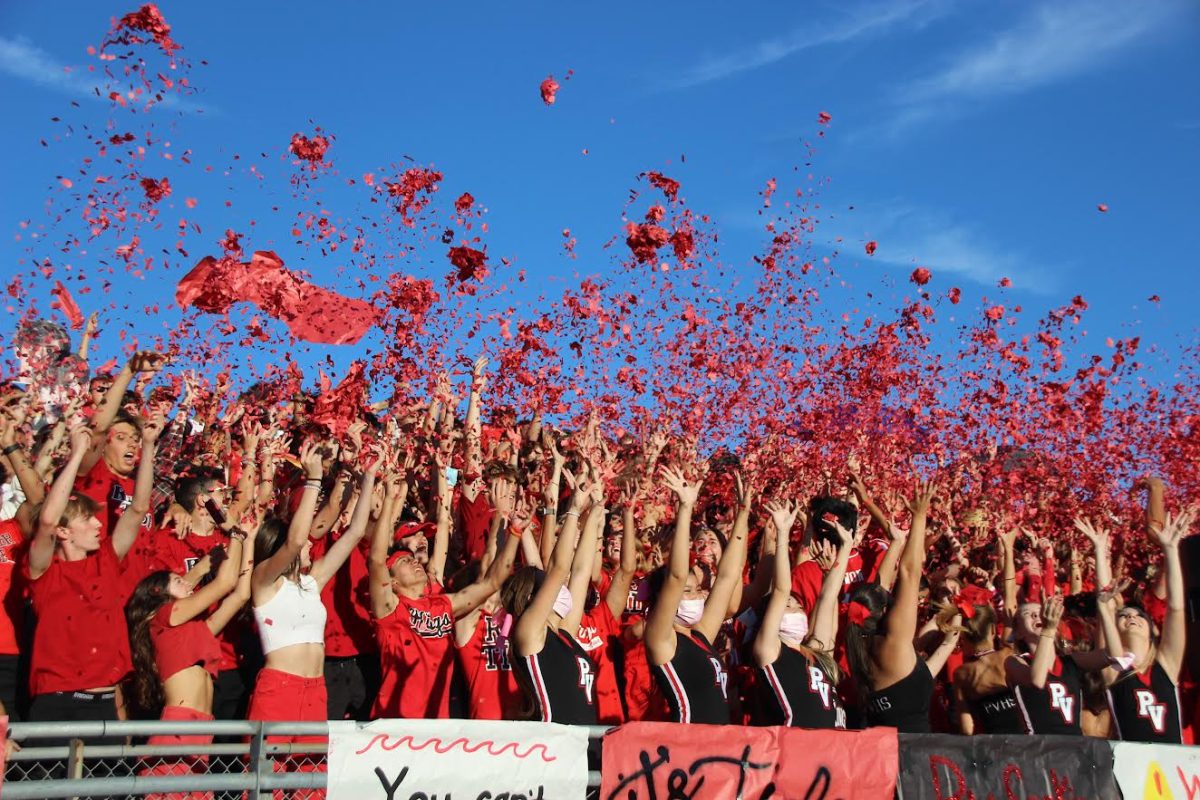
pixel 818 685
pixel 722 677
pixel 587 678
pixel 1149 709
pixel 1062 701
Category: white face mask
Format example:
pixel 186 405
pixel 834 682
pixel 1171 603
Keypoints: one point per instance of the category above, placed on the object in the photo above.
pixel 794 626
pixel 690 611
pixel 563 603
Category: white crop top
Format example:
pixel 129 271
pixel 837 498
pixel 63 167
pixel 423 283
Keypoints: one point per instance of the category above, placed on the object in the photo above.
pixel 295 615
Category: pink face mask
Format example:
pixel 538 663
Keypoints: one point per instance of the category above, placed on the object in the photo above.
pixel 794 626
pixel 690 611
pixel 563 603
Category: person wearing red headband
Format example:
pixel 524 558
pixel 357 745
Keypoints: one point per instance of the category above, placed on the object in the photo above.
pixel 414 627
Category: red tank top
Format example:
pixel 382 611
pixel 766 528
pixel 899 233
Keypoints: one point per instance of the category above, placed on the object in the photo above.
pixel 416 659
pixel 492 689
pixel 600 636
pixel 177 647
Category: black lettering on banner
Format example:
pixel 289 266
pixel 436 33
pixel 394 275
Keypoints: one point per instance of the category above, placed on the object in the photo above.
pixel 390 786
pixel 679 780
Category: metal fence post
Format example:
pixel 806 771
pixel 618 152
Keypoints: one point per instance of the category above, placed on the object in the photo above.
pixel 258 762
pixel 75 760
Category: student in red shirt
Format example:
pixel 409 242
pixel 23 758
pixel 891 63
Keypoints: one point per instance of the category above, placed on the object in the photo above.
pixel 414 628
pixel 175 651
pixel 81 648
pixel 14 534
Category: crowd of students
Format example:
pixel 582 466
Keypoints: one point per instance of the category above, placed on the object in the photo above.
pixel 159 560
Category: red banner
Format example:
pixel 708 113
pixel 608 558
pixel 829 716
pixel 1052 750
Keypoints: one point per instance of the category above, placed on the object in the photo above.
pixel 664 760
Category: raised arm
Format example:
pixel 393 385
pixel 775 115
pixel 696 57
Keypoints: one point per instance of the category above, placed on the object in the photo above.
pixel 731 567
pixel 125 532
pixel 822 632
pixel 41 549
pixel 441 534
pixel 585 556
pixel 530 631
pixel 240 595
pixel 474 444
pixel 901 617
pixel 660 623
pixel 891 559
pixel 622 579
pixel 226 581
pixel 1043 657
pixel 383 598
pixel 864 498
pixel 323 569
pixel 268 572
pixel 18 461
pixel 143 362
pixel 1008 542
pixel 766 642
pixel 551 495
pixel 937 659
pixel 1174 633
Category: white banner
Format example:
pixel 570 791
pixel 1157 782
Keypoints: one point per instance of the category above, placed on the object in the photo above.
pixel 407 759
pixel 1156 771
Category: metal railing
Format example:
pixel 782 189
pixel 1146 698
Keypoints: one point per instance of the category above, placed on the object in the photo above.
pixel 248 763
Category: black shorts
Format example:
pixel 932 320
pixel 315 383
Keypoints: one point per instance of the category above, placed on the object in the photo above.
pixel 345 688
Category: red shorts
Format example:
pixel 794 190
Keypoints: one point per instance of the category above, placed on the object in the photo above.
pixel 179 765
pixel 284 697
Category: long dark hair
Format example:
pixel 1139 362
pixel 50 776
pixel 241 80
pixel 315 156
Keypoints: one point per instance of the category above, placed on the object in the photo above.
pixel 147 599
pixel 876 600
pixel 515 595
pixel 272 535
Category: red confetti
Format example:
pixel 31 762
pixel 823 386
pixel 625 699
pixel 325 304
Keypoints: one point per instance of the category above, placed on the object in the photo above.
pixel 1103 208
pixel 147 19
pixel 549 89
pixel 920 276
pixel 310 150
pixel 870 248
pixel 156 190
pixel 66 304
pixel 464 202
pixel 310 312
pixel 823 118
pixel 471 263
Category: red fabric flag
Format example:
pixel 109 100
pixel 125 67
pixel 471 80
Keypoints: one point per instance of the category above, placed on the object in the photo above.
pixel 66 304
pixel 311 313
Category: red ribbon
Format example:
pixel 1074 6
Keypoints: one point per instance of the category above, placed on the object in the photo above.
pixel 857 613
pixel 965 606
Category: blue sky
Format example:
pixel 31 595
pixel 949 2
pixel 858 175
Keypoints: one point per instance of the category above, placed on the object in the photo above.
pixel 974 139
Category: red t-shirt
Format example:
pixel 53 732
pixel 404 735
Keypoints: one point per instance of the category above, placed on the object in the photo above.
pixel 81 642
pixel 112 492
pixel 12 588
pixel 347 599
pixel 642 694
pixel 600 636
pixel 807 578
pixel 181 646
pixel 416 658
pixel 476 518
pixel 492 689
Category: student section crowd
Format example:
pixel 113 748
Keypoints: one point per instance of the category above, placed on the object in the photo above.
pixel 158 559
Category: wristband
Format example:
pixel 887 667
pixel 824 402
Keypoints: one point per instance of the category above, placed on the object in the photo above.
pixel 570 514
pixel 12 448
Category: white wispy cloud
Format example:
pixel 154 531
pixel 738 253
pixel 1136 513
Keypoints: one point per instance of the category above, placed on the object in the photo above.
pixel 909 237
pixel 859 22
pixel 1050 43
pixel 22 59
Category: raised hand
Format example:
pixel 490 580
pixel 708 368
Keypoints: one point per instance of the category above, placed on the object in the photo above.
pixel 1174 528
pixel 152 428
pixel 688 493
pixel 310 459
pixel 504 497
pixel 922 498
pixel 1052 611
pixel 783 515
pixel 1097 536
